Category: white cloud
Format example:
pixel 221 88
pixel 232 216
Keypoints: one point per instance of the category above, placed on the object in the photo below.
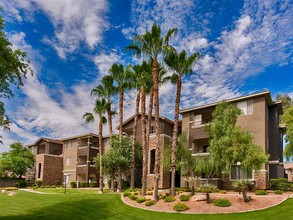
pixel 104 61
pixel 75 22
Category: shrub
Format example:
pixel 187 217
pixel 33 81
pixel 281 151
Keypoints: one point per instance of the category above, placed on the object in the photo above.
pixel 34 187
pixel 132 197
pixel 47 186
pixel 150 202
pixel 57 182
pixel 284 186
pixel 278 192
pixel 184 198
pixel 42 187
pixel 169 199
pixel 222 202
pixel 260 192
pixel 83 184
pixel 93 184
pixel 141 200
pixel 149 193
pixel 179 207
pixel 53 187
pixel 73 184
pixel 39 183
pixel 183 189
pixel 126 193
pixel 20 184
pixel 16 184
pixel 136 193
pixel 124 184
pixel 222 191
pixel 275 183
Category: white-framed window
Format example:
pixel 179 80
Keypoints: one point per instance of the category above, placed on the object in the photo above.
pixel 197 119
pixel 68 144
pixel 246 107
pixel 152 159
pixel 240 173
pixel 68 161
pixel 152 131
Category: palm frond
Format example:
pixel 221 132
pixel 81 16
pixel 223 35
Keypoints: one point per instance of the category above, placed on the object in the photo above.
pixel 89 117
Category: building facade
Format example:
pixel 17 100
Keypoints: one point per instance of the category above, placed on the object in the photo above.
pixel 66 160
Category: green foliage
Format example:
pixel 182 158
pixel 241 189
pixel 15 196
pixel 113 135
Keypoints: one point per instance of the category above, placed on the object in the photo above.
pixel 184 198
pixel 141 200
pixel 228 144
pixel 83 184
pixel 208 188
pixel 73 184
pixel 17 160
pixel 38 183
pixel 180 207
pixel 277 184
pixel 169 199
pixel 278 192
pixel 132 197
pixel 183 189
pixel 287 119
pixel 222 202
pixel 126 193
pixel 93 184
pixel 150 203
pixel 21 184
pixel 285 100
pixel 260 192
pixel 184 159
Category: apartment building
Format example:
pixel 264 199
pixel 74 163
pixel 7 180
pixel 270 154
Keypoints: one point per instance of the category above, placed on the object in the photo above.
pixel 68 159
pixel 260 117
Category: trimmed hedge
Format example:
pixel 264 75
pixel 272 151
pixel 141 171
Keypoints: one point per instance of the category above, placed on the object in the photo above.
pixel 278 184
pixel 180 207
pixel 132 197
pixel 150 202
pixel 260 192
pixel 141 200
pixel 222 203
pixel 278 192
pixel 184 198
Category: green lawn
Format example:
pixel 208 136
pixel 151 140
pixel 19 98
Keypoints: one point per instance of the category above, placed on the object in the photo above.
pixel 89 205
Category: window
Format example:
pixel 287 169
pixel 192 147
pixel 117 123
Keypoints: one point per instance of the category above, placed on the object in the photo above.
pixel 197 120
pixel 68 161
pixel 152 131
pixel 152 161
pixel 205 148
pixel 39 170
pixel 68 144
pixel 238 172
pixel 246 107
pixel 67 178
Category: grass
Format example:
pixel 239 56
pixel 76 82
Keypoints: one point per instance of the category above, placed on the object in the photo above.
pixel 87 204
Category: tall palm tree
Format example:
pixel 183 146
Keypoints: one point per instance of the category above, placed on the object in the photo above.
pixel 136 84
pixel 181 64
pixel 105 90
pixel 152 44
pixel 121 77
pixel 100 109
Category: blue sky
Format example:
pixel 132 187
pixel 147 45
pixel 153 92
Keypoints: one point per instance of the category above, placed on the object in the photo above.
pixel 245 46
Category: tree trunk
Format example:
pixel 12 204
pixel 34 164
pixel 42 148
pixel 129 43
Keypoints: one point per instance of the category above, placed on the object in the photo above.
pixel 245 197
pixel 119 180
pixel 144 147
pixel 132 166
pixel 155 74
pixel 175 136
pixel 208 197
pixel 101 153
pixel 113 182
pixel 109 111
pixel 121 111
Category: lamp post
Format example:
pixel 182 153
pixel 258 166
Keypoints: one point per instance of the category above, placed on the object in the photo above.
pixel 238 169
pixel 65 178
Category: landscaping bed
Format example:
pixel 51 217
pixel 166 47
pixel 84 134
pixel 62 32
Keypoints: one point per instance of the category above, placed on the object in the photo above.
pixel 201 207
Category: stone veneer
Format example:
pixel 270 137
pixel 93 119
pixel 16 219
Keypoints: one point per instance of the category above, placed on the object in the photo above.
pixel 164 181
pixel 51 170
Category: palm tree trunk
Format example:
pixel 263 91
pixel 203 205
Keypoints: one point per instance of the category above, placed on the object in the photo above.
pixel 155 74
pixel 121 111
pixel 144 147
pixel 109 117
pixel 101 153
pixel 175 136
pixel 132 168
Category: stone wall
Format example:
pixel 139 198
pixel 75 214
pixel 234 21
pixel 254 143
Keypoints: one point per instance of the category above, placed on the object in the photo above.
pixel 261 179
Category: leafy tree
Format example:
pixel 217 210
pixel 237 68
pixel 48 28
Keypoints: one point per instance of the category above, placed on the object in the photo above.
pixel 152 44
pixel 13 67
pixel 285 100
pixel 228 144
pixel 17 160
pixel 287 119
pixel 181 64
pixel 100 109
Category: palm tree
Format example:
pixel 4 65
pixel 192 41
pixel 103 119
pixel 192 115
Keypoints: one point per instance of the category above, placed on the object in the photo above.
pixel 105 90
pixel 181 64
pixel 136 84
pixel 4 120
pixel 100 109
pixel 151 44
pixel 120 77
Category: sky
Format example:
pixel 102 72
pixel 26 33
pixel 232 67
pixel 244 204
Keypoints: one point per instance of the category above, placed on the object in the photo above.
pixel 245 47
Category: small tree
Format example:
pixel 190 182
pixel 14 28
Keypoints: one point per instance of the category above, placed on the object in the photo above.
pixel 287 119
pixel 207 189
pixel 17 160
pixel 242 186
